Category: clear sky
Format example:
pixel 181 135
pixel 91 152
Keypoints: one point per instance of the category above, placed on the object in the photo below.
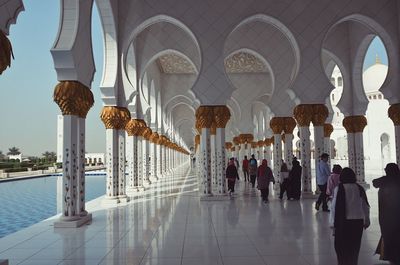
pixel 28 118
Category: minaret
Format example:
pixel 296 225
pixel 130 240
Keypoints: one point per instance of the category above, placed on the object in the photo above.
pixel 377 59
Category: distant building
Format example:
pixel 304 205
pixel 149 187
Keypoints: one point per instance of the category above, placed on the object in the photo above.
pixel 15 157
pixel 379 139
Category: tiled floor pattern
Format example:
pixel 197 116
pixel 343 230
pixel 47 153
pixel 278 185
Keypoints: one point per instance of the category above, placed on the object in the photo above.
pixel 170 225
pixel 26 202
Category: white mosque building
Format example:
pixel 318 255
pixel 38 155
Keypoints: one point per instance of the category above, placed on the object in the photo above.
pixel 379 145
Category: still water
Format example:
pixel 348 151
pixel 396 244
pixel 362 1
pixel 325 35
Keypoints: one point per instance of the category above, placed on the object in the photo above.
pixel 26 202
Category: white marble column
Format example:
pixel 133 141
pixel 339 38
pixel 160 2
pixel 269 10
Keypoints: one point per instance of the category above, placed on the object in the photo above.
pixel 221 160
pixel 318 144
pixel 277 156
pixel 328 129
pixel 164 157
pixel 112 165
pixel 146 163
pixel 268 154
pixel 121 167
pixel 159 160
pixel 153 161
pixel 305 152
pixel 359 157
pixel 70 144
pixel 131 152
pixel 214 182
pixel 81 168
pixel 288 149
pixel 140 171
pixel 242 153
pixel 205 169
pixel 351 150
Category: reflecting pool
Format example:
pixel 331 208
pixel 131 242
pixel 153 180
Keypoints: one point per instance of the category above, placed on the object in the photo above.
pixel 26 202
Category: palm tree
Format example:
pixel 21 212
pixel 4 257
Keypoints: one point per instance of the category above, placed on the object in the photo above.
pixel 50 156
pixel 2 156
pixel 13 151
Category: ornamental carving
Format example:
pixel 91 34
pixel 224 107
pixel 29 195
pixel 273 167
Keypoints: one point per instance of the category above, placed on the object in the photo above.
pixel 174 64
pixel 147 132
pixel 197 139
pixel 221 116
pixel 236 140
pixel 303 114
pixel 328 129
pixel 289 125
pixel 154 137
pixel 277 124
pixel 228 145
pixel 115 117
pixel 243 62
pixel 260 143
pixel 320 113
pixel 354 124
pixel 135 127
pixel 5 52
pixel 268 141
pixel 254 145
pixel 246 138
pixel 73 98
pixel 394 113
pixel 204 117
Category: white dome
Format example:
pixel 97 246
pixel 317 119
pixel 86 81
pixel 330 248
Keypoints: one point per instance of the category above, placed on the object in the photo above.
pixel 374 77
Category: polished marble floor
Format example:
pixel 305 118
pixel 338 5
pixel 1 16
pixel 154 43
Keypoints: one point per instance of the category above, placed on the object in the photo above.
pixel 168 224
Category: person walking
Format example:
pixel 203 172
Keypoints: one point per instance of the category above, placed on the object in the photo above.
pixel 349 216
pixel 253 170
pixel 284 179
pixel 231 175
pixel 333 180
pixel 323 173
pixel 245 168
pixel 264 177
pixel 389 214
pixel 294 190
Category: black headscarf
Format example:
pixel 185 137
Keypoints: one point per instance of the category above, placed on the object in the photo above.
pixel 346 176
pixel 392 176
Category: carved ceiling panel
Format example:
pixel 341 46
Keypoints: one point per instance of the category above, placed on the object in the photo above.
pixel 243 62
pixel 175 64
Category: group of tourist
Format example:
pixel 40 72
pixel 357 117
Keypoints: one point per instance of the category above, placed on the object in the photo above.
pixel 290 181
pixel 349 210
pixel 349 207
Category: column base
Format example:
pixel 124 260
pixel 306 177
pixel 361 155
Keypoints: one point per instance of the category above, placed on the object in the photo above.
pixel 153 179
pixel 123 199
pixel 110 201
pixel 308 195
pixel 146 184
pixel 136 191
pixel 62 223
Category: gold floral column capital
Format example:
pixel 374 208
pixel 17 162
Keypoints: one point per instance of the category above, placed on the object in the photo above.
pixel 115 117
pixel 5 52
pixel 246 138
pixel 236 140
pixel 260 143
pixel 73 98
pixel 394 113
pixel 320 113
pixel 269 141
pixel 328 129
pixel 277 124
pixel 134 127
pixel 221 116
pixel 303 114
pixel 154 137
pixel 147 132
pixel 289 125
pixel 354 124
pixel 213 129
pixel 228 145
pixel 254 145
pixel 204 117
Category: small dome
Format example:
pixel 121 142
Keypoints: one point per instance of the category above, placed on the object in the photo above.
pixel 374 77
